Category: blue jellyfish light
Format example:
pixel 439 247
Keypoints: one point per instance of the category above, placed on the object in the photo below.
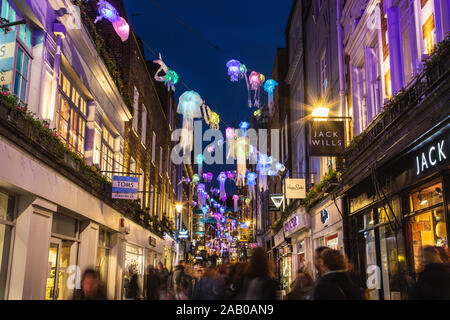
pixel 269 86
pixel 244 126
pixel 205 210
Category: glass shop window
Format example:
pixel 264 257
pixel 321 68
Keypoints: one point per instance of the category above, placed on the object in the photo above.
pixel 71 115
pixel 427 227
pixel 103 253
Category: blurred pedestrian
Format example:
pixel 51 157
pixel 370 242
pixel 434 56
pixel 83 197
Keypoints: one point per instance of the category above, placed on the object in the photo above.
pixel 163 275
pixel 316 261
pixel 303 287
pixel 90 287
pixel 434 279
pixel 180 283
pixel 335 283
pixel 204 287
pixel 153 284
pixel 235 280
pixel 133 290
pixel 259 281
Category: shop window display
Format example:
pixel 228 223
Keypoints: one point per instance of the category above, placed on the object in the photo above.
pixel 103 253
pixel 427 225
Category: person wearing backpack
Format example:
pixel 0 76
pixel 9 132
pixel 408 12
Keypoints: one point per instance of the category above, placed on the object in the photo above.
pixel 335 282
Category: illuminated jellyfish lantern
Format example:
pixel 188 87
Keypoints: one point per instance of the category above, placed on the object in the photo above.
pixel 222 178
pixel 251 183
pixel 171 78
pixel 214 120
pixel 269 86
pixel 195 178
pixel 201 194
pixel 256 80
pixel 244 125
pixel 208 177
pixel 234 70
pixel 263 167
pixel 189 106
pixel 108 11
pixel 242 153
pixel 231 175
pixel 222 210
pixel 205 210
pixel 235 203
pixel 122 29
pixel 199 159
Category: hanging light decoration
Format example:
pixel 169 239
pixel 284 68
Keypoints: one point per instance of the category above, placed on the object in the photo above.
pixel 208 176
pixel 234 70
pixel 222 178
pixel 269 86
pixel 256 80
pixel 263 167
pixel 241 152
pixel 235 202
pixel 244 125
pixel 169 77
pixel 189 106
pixel 199 160
pixel 108 11
pixel 251 183
pixel 201 195
pixel 195 178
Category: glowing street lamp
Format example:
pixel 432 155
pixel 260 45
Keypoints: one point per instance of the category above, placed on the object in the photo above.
pixel 320 112
pixel 179 207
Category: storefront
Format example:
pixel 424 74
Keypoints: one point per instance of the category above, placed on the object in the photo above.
pixel 326 226
pixel 405 210
pixel 297 228
pixel 7 204
pixel 283 263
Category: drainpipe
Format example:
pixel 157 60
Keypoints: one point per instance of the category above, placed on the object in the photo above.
pixel 60 32
pixel 341 58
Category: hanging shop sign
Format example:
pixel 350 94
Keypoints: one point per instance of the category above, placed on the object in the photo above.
pixel 324 216
pixel 183 234
pixel 125 187
pixel 278 238
pixel 295 188
pixel 433 155
pixel 7 51
pixel 326 138
pixel 276 202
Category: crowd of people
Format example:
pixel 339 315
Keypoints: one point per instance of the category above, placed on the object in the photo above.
pixel 255 280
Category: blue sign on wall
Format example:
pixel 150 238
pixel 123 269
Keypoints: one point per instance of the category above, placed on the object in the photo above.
pixel 125 187
pixel 7 52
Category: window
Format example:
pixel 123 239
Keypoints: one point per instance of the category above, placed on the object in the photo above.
pixel 153 147
pixel 9 14
pixel 144 125
pixel 21 77
pixel 107 160
pixel 160 160
pixel 103 253
pixel 6 217
pixel 427 225
pixel 136 109
pixel 429 34
pixel 71 121
pixel 323 74
pixel 132 165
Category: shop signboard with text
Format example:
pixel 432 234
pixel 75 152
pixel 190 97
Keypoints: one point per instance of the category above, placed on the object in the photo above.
pixel 296 222
pixel 295 188
pixel 278 238
pixel 125 187
pixel 326 138
pixel 7 52
pixel 433 155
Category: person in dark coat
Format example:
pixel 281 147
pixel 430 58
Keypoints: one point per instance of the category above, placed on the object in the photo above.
pixel 335 283
pixel 90 287
pixel 434 280
pixel 153 284
pixel 163 275
pixel 203 289
pixel 133 291
pixel 259 282
pixel 302 288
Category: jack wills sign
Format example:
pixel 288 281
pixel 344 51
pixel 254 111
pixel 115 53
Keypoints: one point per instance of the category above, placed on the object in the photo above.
pixel 326 138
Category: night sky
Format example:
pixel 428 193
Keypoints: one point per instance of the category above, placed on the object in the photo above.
pixel 247 30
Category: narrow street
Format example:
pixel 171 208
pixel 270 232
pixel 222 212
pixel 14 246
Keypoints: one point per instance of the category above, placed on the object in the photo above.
pixel 224 151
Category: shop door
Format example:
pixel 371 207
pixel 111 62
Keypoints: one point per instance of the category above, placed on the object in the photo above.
pixel 57 277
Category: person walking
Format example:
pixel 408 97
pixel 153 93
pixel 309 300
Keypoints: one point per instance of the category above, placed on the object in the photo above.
pixel 259 281
pixel 163 275
pixel 204 287
pixel 434 280
pixel 133 290
pixel 153 284
pixel 302 288
pixel 90 287
pixel 335 282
